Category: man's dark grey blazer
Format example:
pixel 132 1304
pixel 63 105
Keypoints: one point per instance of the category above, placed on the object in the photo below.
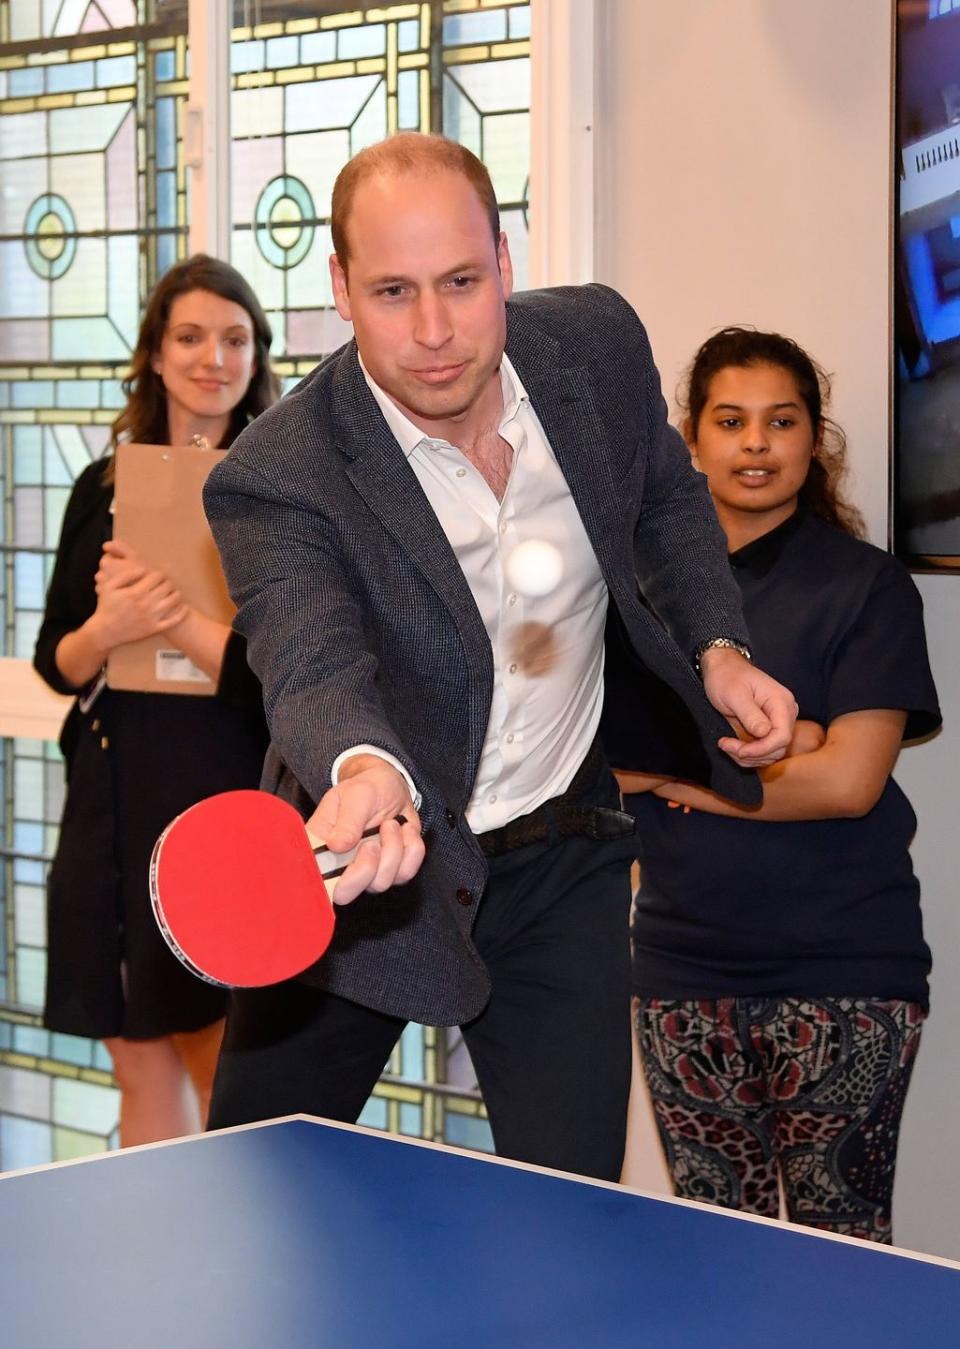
pixel 362 628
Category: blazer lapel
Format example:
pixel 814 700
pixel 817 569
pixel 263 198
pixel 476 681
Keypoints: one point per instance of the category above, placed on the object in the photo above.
pixel 563 401
pixel 379 470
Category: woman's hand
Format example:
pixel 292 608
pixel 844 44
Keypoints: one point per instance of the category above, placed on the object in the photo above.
pixel 119 564
pixel 132 601
pixel 808 736
pixel 201 638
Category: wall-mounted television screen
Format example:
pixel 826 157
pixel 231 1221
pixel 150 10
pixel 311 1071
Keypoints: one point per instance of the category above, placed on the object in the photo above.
pixel 926 468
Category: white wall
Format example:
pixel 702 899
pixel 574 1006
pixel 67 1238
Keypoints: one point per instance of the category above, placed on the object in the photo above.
pixel 743 176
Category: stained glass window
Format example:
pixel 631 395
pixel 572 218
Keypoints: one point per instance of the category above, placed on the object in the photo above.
pixel 486 104
pixel 95 206
pixel 309 91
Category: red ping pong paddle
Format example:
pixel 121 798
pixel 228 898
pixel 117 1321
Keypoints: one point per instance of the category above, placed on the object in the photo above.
pixel 242 892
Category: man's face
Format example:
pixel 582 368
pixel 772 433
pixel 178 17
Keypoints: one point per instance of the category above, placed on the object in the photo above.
pixel 425 291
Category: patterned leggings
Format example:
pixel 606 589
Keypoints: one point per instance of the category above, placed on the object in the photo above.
pixel 746 1088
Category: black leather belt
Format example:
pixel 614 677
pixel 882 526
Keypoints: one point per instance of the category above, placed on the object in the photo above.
pixel 562 816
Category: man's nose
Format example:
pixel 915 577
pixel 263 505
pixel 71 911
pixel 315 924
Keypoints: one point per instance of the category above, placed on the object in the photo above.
pixel 433 327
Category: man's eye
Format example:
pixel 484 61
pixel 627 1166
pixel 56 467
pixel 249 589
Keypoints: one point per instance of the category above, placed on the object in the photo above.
pixel 391 292
pixel 461 282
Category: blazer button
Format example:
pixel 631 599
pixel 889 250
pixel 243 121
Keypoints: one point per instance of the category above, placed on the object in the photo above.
pixel 464 896
pixel 450 818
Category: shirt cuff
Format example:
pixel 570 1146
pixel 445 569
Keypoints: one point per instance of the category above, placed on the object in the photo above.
pixel 415 796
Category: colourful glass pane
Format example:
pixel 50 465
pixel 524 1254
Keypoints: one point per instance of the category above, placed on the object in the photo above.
pixel 92 208
pixel 103 195
pixel 24 1142
pixel 27 20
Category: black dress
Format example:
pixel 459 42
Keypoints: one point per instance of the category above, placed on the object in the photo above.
pixel 134 761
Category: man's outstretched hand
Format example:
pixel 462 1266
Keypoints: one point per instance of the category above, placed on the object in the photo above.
pixel 370 794
pixel 764 709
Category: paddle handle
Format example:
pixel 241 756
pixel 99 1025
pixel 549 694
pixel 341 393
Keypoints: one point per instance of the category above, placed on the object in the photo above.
pixel 333 864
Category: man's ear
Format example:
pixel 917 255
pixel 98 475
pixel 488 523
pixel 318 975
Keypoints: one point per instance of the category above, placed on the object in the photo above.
pixel 338 280
pixel 505 263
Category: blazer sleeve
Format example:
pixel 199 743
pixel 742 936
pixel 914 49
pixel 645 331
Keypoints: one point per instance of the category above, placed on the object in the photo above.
pixel 68 604
pixel 303 626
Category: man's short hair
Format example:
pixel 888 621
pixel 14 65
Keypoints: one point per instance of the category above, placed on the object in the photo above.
pixel 408 152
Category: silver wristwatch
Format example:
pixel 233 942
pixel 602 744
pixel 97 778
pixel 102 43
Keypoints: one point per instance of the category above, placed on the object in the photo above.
pixel 718 642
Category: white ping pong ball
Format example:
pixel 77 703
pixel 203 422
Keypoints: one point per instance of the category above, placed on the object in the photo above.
pixel 534 568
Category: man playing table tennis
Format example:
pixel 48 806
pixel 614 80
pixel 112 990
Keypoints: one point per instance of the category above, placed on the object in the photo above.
pixel 365 523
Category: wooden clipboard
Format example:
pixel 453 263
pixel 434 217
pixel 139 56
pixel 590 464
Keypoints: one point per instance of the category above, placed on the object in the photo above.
pixel 158 511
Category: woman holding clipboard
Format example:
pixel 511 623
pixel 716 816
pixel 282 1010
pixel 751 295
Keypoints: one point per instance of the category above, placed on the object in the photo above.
pixel 200 372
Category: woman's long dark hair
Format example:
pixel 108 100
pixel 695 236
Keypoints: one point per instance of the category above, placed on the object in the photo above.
pixel 144 418
pixel 821 493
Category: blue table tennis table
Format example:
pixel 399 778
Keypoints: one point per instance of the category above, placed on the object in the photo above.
pixel 301 1233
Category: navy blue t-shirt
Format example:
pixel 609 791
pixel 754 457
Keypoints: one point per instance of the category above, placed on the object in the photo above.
pixel 736 908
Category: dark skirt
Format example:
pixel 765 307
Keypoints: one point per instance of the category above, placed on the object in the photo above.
pixel 135 761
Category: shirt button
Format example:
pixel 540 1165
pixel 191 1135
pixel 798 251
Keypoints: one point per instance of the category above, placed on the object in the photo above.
pixel 512 669
pixel 512 599
pixel 503 529
pixel 510 738
pixel 464 896
pixel 492 798
pixel 461 472
pixel 450 818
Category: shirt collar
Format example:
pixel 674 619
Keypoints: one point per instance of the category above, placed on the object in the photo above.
pixel 409 436
pixel 760 555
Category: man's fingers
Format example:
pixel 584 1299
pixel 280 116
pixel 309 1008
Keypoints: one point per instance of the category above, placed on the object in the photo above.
pixel 754 753
pixel 756 724
pixel 325 824
pixel 372 798
pixel 380 864
pixel 359 874
pixel 392 858
pixel 342 816
pixel 414 850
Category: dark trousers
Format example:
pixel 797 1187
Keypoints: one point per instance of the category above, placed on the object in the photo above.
pixel 551 1050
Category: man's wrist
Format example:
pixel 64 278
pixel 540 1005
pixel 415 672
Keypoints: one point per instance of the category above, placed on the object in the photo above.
pixel 363 757
pixel 719 644
pixel 361 763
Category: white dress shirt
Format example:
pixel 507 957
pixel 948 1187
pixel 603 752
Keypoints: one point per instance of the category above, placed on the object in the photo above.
pixel 547 651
